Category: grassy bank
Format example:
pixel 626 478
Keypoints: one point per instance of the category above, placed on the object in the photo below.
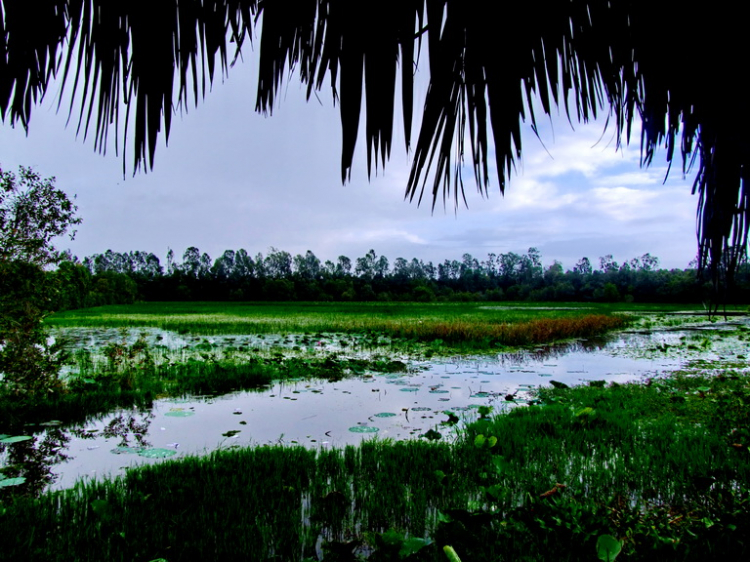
pixel 472 324
pixel 661 467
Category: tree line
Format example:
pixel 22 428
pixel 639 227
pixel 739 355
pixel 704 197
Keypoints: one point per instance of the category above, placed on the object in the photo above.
pixel 121 278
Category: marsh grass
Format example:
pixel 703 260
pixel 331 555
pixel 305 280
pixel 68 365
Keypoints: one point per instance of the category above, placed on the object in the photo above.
pixel 259 504
pixel 662 467
pixel 472 324
pixel 520 333
pixel 134 376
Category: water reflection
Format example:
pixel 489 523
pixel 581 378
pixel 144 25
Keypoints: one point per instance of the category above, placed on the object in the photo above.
pixel 37 460
pixel 32 460
pixel 328 413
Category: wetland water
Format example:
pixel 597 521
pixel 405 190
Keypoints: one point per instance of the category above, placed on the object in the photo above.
pixel 318 413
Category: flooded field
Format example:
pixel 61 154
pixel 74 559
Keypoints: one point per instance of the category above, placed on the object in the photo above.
pixel 429 400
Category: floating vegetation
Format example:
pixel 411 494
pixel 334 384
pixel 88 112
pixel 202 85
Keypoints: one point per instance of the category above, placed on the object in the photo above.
pixel 15 439
pixel 364 429
pixel 8 482
pixel 156 453
pixel 179 413
pixel 124 450
pixel 385 415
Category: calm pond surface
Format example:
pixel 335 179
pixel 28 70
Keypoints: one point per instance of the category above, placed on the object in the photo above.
pixel 319 413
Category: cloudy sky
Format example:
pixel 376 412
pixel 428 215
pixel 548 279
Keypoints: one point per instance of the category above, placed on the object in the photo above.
pixel 231 179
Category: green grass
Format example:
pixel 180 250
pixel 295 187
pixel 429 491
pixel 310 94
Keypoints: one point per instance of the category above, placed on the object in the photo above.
pixel 472 324
pixel 663 467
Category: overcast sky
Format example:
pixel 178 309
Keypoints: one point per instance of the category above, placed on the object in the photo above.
pixel 232 179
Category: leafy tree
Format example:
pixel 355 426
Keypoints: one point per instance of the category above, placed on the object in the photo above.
pixel 32 214
pixel 583 266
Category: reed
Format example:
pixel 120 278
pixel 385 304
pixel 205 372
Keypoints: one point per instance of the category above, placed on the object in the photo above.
pixel 531 332
pixel 662 467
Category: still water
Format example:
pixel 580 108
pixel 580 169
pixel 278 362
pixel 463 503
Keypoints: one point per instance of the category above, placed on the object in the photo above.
pixel 399 406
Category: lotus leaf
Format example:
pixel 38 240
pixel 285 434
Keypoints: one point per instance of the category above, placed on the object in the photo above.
pixel 179 413
pixel 7 482
pixel 125 451
pixel 16 439
pixel 385 415
pixel 156 453
pixel 364 429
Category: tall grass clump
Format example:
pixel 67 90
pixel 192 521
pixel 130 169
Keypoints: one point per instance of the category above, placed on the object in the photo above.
pixel 663 467
pixel 658 470
pixel 264 503
pixel 532 332
pixel 410 319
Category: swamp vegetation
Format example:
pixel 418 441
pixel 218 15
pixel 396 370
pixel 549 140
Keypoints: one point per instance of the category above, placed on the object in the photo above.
pixel 649 470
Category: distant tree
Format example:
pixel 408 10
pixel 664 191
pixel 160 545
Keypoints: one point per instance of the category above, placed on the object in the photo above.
pixel 607 264
pixel 365 267
pixel 583 266
pixel 278 264
pixel 307 266
pixel 191 262
pixel 343 266
pixel 223 267
pixel 244 267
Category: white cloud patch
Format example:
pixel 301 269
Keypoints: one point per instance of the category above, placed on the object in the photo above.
pixel 621 203
pixel 384 235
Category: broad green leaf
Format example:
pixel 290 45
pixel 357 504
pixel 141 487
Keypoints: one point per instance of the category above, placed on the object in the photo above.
pixel 412 545
pixel 363 429
pixel 156 453
pixel 16 439
pixel 608 547
pixel 7 482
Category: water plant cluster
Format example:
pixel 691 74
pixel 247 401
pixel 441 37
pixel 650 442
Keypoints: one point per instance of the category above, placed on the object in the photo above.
pixel 471 325
pixel 655 471
pixel 651 471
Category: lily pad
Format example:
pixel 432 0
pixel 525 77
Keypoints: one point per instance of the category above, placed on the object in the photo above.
pixel 439 392
pixel 16 439
pixel 364 429
pixel 385 415
pixel 408 389
pixel 7 482
pixel 179 413
pixel 51 423
pixel 156 453
pixel 126 450
pixel 421 409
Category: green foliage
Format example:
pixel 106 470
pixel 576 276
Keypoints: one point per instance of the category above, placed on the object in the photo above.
pixel 608 548
pixel 32 213
pixel 439 327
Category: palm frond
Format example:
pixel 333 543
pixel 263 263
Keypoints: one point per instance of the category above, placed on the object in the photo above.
pixel 679 71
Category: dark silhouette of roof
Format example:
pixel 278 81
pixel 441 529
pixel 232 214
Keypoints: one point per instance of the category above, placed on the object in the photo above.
pixel 676 67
